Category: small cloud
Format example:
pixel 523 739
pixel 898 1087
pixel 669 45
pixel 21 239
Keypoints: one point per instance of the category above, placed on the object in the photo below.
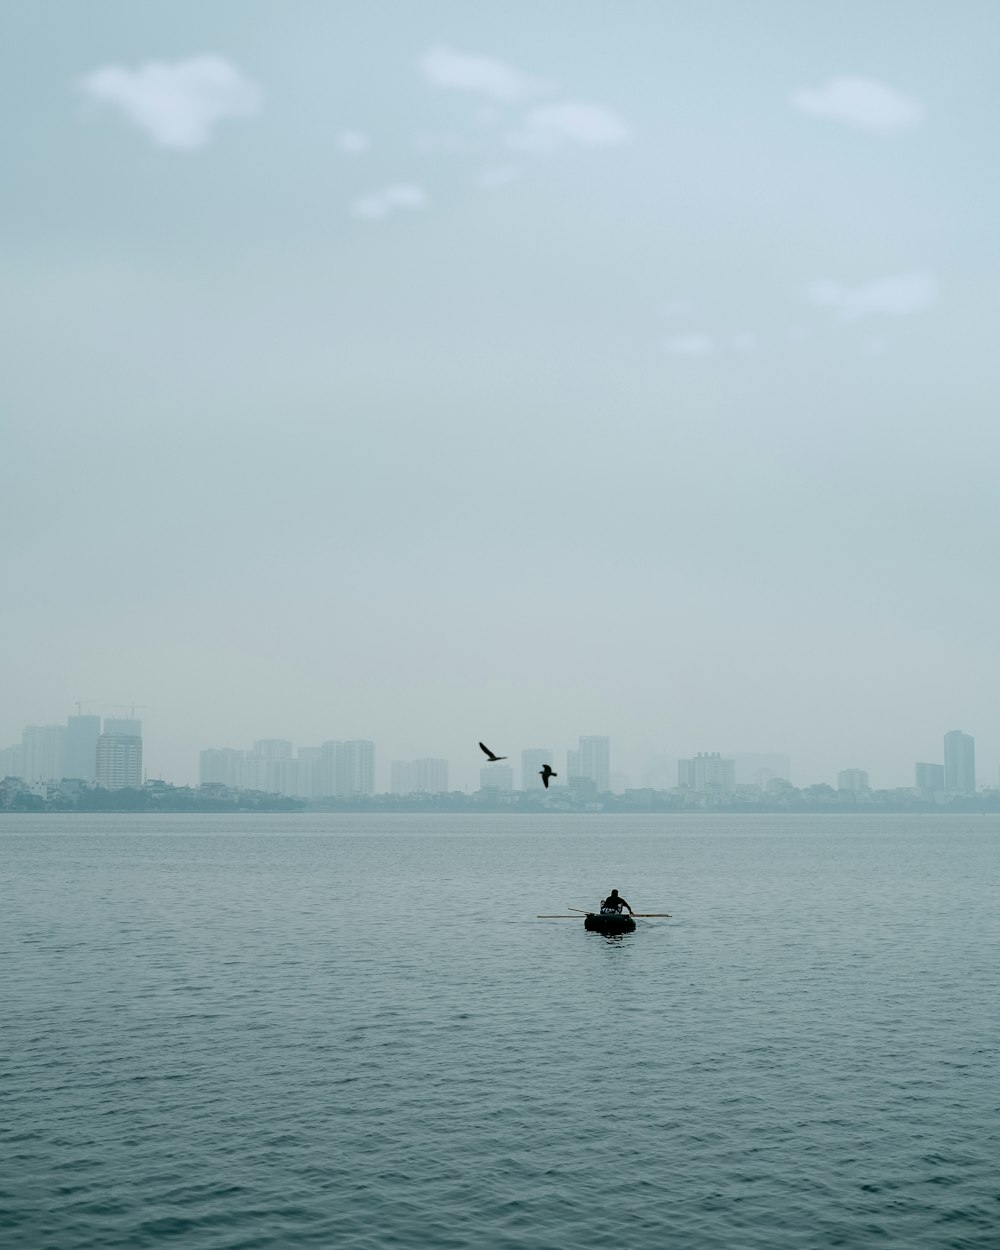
pixel 378 205
pixel 555 125
pixel 353 142
pixel 465 71
pixel 689 345
pixel 498 176
pixel 861 102
pixel 177 104
pixel 897 296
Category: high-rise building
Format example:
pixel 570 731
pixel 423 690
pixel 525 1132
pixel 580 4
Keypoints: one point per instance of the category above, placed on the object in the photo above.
pixel 273 749
pixel 326 770
pixel 707 773
pixel 80 760
pixel 270 767
pixel 123 726
pixel 432 776
pixel 307 772
pixel 402 777
pixel 12 761
pixel 853 779
pixel 532 762
pixel 43 752
pixel 929 779
pixel 573 764
pixel 119 760
pixel 595 761
pixel 221 766
pixel 959 763
pixel 496 777
pixel 355 768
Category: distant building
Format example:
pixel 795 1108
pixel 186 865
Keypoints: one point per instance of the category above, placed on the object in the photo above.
pixel 854 780
pixel 119 760
pixel 307 764
pixel 221 766
pixel 12 761
pixel 355 768
pixel 428 776
pixel 123 726
pixel 273 749
pixel 595 761
pixel 583 788
pixel 43 752
pixel 707 773
pixel 80 760
pixel 532 762
pixel 270 767
pixel 496 777
pixel 929 779
pixel 959 763
pixel 573 764
pixel 402 777
pixel 431 776
pixel 326 770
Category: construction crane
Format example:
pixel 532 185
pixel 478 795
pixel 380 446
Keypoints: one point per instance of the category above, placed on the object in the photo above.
pixel 82 703
pixel 131 706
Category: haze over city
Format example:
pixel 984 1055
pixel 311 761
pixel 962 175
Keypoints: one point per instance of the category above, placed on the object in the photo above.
pixel 453 377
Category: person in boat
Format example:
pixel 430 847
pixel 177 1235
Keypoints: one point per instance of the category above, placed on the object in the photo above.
pixel 614 902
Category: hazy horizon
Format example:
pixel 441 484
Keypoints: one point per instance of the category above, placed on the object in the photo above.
pixel 440 373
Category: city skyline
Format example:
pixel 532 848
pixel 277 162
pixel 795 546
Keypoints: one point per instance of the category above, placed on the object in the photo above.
pixel 110 750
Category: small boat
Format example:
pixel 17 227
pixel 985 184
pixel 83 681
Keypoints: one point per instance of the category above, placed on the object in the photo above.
pixel 608 922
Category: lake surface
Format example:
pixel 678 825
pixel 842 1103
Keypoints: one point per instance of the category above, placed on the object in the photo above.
pixel 340 1030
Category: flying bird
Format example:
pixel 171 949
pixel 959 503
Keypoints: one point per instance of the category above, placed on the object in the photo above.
pixel 545 774
pixel 493 758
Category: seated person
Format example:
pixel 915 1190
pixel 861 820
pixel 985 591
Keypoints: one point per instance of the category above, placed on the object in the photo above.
pixel 614 902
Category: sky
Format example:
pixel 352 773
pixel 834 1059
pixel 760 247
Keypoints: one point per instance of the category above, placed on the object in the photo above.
pixel 514 371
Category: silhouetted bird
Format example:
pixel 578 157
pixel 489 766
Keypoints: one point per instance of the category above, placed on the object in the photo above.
pixel 545 774
pixel 493 758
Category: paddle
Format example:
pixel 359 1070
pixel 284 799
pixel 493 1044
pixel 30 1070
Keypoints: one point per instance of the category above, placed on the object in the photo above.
pixel 557 917
pixel 643 915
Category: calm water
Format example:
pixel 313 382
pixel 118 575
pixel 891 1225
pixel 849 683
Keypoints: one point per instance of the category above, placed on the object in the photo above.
pixel 351 1032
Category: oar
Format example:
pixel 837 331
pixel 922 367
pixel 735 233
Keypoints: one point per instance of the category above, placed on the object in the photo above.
pixel 558 917
pixel 643 915
pixel 579 909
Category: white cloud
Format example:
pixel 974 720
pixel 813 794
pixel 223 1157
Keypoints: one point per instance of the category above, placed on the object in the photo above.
pixel 896 296
pixel 378 205
pixel 555 125
pixel 353 142
pixel 689 344
pixel 465 71
pixel 176 104
pixel 861 102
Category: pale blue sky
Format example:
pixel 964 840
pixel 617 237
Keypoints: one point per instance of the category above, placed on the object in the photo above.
pixel 444 371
